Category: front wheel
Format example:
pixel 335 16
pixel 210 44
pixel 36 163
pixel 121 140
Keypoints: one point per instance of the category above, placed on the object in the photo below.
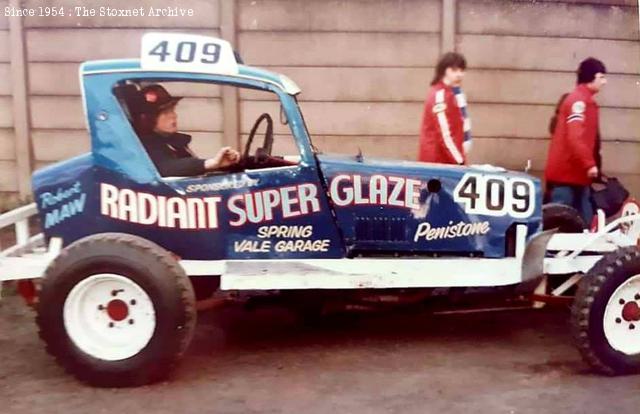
pixel 606 314
pixel 116 310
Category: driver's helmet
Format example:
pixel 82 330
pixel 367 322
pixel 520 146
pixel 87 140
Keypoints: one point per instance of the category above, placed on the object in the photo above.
pixel 156 99
pixel 152 100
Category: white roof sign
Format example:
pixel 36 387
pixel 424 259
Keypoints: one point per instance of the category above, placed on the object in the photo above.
pixel 177 52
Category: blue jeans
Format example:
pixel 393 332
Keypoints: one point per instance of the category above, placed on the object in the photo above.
pixel 574 196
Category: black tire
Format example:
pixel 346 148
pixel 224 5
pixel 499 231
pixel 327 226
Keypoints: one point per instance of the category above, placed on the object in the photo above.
pixel 565 218
pixel 156 272
pixel 588 310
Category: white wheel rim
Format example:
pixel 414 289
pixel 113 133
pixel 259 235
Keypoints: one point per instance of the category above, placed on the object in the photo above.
pixel 93 317
pixel 622 317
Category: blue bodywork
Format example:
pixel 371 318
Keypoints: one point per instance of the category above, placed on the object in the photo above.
pixel 292 211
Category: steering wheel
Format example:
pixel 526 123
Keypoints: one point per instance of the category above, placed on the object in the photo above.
pixel 262 153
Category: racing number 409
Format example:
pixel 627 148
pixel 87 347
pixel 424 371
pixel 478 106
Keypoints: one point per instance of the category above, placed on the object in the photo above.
pixel 186 52
pixel 496 195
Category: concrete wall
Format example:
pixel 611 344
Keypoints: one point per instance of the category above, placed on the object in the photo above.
pixel 364 68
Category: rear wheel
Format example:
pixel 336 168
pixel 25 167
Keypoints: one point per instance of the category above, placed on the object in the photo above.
pixel 606 314
pixel 116 310
pixel 565 218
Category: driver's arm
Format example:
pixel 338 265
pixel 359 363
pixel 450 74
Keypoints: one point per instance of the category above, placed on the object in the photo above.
pixel 181 167
pixel 226 157
pixel 174 167
pixel 191 166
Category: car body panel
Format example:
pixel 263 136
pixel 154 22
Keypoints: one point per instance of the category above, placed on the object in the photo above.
pixel 371 224
pixel 297 210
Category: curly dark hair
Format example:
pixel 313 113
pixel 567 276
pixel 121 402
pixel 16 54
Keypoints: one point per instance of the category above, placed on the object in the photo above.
pixel 448 60
pixel 588 69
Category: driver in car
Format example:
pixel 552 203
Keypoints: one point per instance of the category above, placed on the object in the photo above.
pixel 156 123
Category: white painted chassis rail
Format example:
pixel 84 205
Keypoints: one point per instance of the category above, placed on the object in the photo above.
pixel 578 252
pixel 571 260
pixel 19 218
pixel 363 273
pixel 27 258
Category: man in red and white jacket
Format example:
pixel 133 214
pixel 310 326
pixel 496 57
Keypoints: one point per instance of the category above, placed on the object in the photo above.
pixel 574 159
pixel 445 134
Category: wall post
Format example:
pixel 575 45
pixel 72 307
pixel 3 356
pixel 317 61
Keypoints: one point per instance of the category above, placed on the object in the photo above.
pixel 21 122
pixel 230 100
pixel 448 35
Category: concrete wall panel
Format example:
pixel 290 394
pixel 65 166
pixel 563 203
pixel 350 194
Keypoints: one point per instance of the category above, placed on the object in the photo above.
pixel 508 121
pixel 8 176
pixel 54 79
pixel 7 144
pixel 6 112
pixel 59 144
pixel 354 84
pixel 339 15
pixel 339 49
pixel 5 79
pixel 59 112
pixel 508 17
pixel 621 158
pixel 620 124
pixel 551 54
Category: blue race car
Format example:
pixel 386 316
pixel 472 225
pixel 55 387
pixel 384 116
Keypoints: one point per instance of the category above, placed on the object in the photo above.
pixel 117 305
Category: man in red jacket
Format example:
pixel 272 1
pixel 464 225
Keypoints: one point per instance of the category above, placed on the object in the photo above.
pixel 574 154
pixel 445 132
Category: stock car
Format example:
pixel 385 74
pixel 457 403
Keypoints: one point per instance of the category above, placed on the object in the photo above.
pixel 129 255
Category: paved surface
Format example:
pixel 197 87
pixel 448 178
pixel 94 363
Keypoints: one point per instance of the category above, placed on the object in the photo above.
pixel 268 362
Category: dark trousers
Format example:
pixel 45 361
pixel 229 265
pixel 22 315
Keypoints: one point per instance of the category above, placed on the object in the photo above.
pixel 578 197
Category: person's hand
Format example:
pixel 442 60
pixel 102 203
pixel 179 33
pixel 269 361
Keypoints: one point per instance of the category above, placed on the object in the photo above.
pixel 593 172
pixel 229 157
pixel 226 157
pixel 466 147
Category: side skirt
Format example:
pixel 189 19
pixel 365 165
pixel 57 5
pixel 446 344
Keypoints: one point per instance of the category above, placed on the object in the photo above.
pixel 364 273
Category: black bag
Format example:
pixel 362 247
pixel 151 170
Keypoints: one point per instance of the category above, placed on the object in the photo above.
pixel 608 195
